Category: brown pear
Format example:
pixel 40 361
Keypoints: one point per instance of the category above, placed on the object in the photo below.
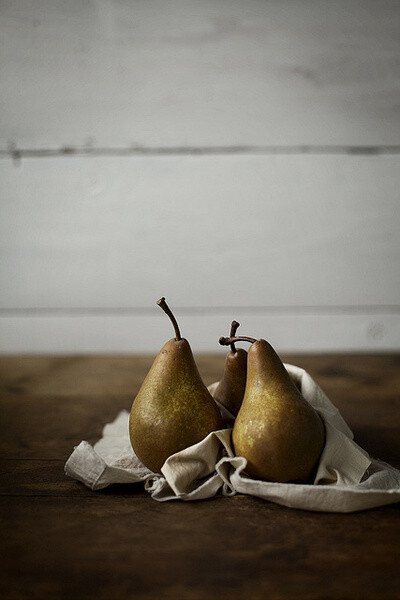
pixel 173 408
pixel 230 390
pixel 278 432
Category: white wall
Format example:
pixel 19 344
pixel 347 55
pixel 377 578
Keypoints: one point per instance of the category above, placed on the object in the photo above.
pixel 242 159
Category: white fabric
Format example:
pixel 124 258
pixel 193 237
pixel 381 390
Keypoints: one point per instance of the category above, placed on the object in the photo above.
pixel 347 479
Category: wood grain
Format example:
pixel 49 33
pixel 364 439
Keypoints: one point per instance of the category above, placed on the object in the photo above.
pixel 91 390
pixel 60 540
pixel 131 547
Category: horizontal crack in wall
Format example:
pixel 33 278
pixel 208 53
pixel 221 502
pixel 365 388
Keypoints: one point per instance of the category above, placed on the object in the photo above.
pixel 19 153
pixel 194 311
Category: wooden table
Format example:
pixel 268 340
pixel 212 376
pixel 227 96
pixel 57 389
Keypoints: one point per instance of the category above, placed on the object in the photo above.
pixel 60 540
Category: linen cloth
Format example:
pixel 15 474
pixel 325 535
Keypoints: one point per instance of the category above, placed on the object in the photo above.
pixel 347 478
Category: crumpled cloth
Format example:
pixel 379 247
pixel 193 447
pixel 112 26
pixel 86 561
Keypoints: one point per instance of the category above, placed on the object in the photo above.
pixel 347 478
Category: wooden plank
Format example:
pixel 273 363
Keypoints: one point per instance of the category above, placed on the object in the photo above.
pixel 37 478
pixel 59 540
pixel 155 74
pixel 221 231
pixel 136 333
pixel 81 394
pixel 31 477
pixel 132 547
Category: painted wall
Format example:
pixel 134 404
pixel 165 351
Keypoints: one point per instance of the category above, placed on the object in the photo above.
pixel 242 159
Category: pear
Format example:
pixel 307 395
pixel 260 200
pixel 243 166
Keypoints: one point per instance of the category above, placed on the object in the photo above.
pixel 276 430
pixel 230 390
pixel 173 408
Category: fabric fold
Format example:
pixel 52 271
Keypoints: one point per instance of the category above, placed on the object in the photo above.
pixel 347 478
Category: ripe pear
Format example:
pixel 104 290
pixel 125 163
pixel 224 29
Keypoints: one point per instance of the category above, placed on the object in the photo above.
pixel 230 390
pixel 276 430
pixel 173 408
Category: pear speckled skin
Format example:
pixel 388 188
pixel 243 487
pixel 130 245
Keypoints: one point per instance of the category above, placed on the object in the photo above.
pixel 230 390
pixel 173 409
pixel 277 430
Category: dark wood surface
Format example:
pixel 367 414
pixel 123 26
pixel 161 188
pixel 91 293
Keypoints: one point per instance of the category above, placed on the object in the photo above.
pixel 60 540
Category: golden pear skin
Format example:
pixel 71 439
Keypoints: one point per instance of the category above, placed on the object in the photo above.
pixel 230 390
pixel 276 430
pixel 173 408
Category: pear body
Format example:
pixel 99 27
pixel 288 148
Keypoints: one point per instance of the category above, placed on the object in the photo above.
pixel 173 408
pixel 230 390
pixel 276 430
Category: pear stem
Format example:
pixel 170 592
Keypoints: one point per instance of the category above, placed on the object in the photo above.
pixel 162 304
pixel 227 341
pixel 234 326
